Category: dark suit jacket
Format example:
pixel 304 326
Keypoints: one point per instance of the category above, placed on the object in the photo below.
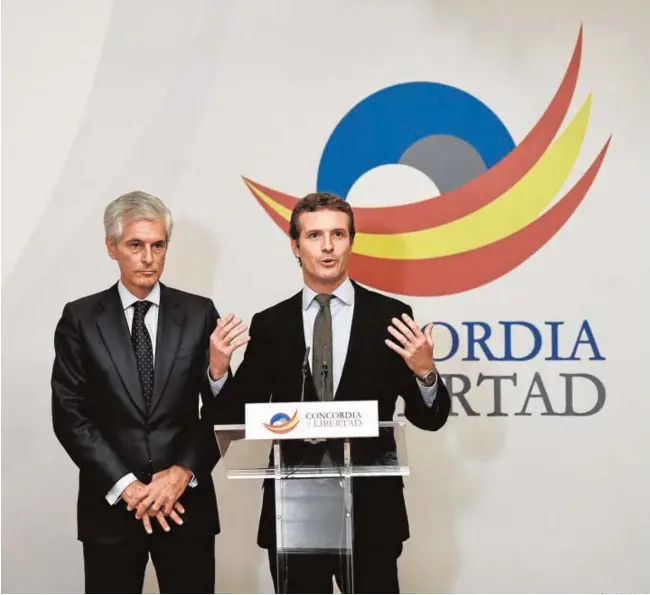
pixel 271 368
pixel 100 417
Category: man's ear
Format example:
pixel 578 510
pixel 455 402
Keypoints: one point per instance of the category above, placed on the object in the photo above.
pixel 110 248
pixel 295 248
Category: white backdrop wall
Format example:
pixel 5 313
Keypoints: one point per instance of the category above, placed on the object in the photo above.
pixel 182 99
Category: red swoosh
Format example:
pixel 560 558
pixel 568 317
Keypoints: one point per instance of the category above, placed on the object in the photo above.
pixel 461 272
pixel 281 430
pixel 478 192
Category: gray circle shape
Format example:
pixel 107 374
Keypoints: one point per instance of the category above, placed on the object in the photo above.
pixel 448 161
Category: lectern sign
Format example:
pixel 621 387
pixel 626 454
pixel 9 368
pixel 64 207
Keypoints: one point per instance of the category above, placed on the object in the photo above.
pixel 331 419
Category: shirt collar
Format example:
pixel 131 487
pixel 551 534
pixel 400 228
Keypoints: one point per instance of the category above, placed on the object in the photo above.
pixel 344 292
pixel 128 299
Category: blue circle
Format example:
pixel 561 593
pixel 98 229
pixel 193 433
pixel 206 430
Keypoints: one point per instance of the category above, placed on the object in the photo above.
pixel 279 418
pixel 379 129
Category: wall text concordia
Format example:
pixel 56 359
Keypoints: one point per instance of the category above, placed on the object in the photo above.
pixel 563 383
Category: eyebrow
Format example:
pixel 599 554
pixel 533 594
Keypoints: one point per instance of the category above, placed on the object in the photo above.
pixel 136 239
pixel 308 231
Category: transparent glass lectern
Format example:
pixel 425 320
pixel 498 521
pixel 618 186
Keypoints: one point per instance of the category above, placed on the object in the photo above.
pixel 314 511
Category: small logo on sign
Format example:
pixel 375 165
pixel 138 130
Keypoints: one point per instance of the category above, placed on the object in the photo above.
pixel 281 423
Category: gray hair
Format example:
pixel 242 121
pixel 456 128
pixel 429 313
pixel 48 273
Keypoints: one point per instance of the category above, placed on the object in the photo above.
pixel 135 206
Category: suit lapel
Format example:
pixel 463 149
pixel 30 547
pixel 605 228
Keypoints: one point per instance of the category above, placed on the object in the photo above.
pixel 115 333
pixel 362 334
pixel 168 335
pixel 294 335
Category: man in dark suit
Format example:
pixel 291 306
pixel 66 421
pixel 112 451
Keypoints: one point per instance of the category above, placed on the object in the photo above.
pixel 363 345
pixel 130 364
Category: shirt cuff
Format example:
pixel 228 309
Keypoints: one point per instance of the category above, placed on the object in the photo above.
pixel 193 482
pixel 429 393
pixel 216 385
pixel 115 492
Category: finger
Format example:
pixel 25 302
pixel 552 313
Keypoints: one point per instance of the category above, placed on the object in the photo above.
pixel 227 327
pixel 411 324
pixel 238 343
pixel 159 504
pixel 428 333
pixel 220 324
pixel 147 524
pixel 168 507
pixel 179 507
pixel 235 332
pixel 228 324
pixel 405 330
pixel 396 348
pixel 225 320
pixel 163 522
pixel 135 501
pixel 399 336
pixel 174 517
pixel 144 506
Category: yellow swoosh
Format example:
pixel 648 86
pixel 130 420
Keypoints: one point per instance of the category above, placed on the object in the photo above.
pixel 513 210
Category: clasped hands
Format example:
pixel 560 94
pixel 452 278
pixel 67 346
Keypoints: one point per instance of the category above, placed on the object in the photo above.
pixel 158 499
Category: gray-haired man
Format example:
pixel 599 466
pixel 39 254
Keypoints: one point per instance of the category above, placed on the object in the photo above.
pixel 130 364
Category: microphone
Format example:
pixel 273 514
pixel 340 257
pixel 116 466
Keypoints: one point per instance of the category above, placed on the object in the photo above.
pixel 324 373
pixel 305 367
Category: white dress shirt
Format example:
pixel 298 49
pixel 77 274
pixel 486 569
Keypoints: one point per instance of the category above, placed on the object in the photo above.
pixel 342 309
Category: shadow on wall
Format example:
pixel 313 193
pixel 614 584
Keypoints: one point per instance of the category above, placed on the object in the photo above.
pixel 192 265
pixel 444 481
pixel 192 258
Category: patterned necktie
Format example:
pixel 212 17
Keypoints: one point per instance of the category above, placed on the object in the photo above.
pixel 323 349
pixel 143 348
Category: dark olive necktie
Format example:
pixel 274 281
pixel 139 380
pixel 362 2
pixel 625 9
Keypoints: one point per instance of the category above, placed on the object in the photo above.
pixel 323 373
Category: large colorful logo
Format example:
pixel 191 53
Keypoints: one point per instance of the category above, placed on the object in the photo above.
pixel 494 209
pixel 281 423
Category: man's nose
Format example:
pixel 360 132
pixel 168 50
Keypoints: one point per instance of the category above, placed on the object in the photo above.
pixel 327 244
pixel 147 254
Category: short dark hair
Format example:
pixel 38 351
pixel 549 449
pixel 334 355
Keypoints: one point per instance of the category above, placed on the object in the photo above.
pixel 318 201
